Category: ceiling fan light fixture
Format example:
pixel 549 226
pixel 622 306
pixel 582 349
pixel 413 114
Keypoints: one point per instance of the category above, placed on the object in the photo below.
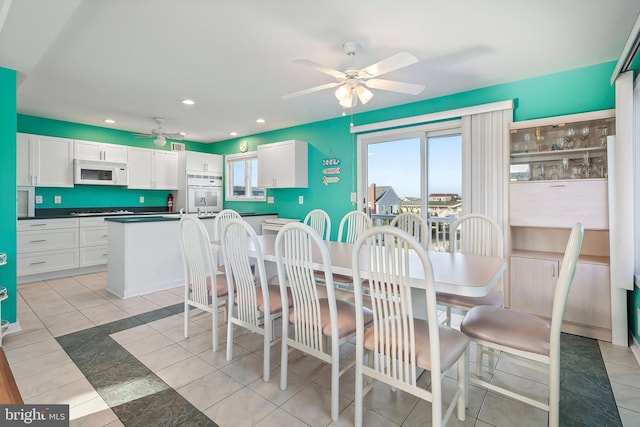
pixel 348 102
pixel 364 94
pixel 343 93
pixel 160 141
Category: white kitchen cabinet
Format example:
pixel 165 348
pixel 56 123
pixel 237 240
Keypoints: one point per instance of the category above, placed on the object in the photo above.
pixel 98 151
pixel 44 161
pixel 152 169
pixel 93 241
pixel 283 165
pixel 195 161
pixel 533 283
pixel 47 245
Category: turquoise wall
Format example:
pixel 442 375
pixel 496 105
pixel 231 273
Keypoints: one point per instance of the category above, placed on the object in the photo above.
pixel 8 189
pixel 85 196
pixel 574 91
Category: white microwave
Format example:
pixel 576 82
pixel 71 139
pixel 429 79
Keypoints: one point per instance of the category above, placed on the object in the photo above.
pixel 100 173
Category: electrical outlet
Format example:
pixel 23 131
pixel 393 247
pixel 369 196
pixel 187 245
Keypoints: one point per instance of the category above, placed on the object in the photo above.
pixel 141 199
pixel 38 199
pixel 270 199
pixel 300 200
pixel 57 199
pixel 354 197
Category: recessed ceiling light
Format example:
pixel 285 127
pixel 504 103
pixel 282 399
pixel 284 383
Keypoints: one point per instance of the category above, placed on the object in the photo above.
pixel 110 121
pixel 188 101
pixel 233 133
pixel 183 133
pixel 260 120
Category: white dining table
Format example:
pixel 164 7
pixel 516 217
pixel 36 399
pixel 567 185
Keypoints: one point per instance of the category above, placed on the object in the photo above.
pixel 454 273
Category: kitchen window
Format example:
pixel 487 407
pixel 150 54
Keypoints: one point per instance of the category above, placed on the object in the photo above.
pixel 242 178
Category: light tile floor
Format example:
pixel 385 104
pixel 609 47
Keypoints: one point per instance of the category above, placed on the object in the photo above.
pixel 233 393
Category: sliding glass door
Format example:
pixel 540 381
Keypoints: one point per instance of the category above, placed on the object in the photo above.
pixel 413 170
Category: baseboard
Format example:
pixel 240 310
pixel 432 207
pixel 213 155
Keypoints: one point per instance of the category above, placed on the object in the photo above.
pixel 635 348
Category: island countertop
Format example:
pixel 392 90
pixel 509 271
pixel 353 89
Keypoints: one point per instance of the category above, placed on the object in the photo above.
pixel 145 254
pixel 173 217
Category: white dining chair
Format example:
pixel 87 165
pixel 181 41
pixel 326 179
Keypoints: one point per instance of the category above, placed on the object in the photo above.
pixel 221 219
pixel 351 225
pixel 320 221
pixel 315 321
pixel 253 307
pixel 527 340
pixel 399 346
pixel 415 225
pixel 201 280
pixel 474 234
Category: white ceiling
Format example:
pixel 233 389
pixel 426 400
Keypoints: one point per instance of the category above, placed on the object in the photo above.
pixel 130 60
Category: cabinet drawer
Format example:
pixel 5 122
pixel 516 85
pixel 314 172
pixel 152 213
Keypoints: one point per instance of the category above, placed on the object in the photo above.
pixel 47 224
pixel 35 241
pixel 94 255
pixel 43 262
pixel 92 236
pixel 559 204
pixel 94 221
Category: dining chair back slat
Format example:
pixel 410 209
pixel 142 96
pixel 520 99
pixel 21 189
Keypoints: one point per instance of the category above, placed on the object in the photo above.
pixel 319 221
pixel 415 225
pixel 351 225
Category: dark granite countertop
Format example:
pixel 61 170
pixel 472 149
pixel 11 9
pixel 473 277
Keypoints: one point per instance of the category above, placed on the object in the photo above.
pixel 170 217
pixel 137 215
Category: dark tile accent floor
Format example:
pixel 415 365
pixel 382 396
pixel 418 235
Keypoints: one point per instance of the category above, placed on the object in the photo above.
pixel 135 394
pixel 586 398
pixel 140 398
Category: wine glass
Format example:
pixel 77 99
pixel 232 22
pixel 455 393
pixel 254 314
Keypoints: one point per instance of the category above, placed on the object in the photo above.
pixel 585 163
pixel 565 166
pixel 527 139
pixel 585 136
pixel 541 145
pixel 571 135
pixel 603 136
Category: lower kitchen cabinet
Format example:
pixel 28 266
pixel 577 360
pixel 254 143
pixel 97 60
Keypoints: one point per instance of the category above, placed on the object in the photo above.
pixel 93 241
pixel 47 245
pixel 588 309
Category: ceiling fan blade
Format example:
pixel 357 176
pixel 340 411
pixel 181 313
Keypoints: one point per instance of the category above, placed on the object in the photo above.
pixel 410 88
pixel 143 135
pixel 175 135
pixel 333 73
pixel 392 63
pixel 311 90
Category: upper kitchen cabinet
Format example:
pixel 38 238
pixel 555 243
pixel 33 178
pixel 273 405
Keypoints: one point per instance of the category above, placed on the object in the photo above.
pixel 283 165
pixel 44 161
pixel 195 161
pixel 98 151
pixel 152 169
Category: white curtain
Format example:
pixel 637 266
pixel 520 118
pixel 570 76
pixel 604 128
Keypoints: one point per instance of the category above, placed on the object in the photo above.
pixel 485 160
pixel 485 165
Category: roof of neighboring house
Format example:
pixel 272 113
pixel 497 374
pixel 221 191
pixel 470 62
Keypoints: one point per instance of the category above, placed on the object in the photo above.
pixel 381 190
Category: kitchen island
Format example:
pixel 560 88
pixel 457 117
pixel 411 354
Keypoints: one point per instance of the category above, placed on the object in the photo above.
pixel 145 254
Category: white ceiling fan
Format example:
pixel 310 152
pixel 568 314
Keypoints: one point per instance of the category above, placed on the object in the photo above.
pixel 353 83
pixel 160 134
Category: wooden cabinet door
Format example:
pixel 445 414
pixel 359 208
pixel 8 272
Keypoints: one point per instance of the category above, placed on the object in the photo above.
pixel 53 161
pixel 533 285
pixel 140 168
pixel 165 170
pixel 24 174
pixel 589 301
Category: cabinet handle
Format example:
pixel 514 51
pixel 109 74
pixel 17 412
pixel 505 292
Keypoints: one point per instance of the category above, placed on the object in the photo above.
pixel 38 225
pixel 38 241
pixel 38 262
pixel 105 235
pixel 557 185
pixel 553 271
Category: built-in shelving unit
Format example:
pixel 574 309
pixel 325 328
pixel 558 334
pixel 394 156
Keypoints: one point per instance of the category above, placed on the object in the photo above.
pixel 558 172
